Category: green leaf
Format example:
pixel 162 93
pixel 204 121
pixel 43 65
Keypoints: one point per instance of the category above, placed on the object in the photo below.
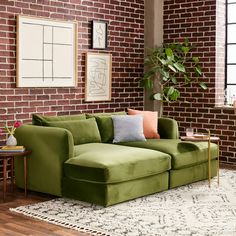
pixel 146 83
pixel 186 79
pixel 198 70
pixel 185 49
pixel 157 96
pixel 173 80
pixel 172 68
pixel 179 67
pixel 195 59
pixel 151 72
pixel 163 62
pixel 175 95
pixel 164 73
pixel 170 91
pixel 203 85
pixel 169 53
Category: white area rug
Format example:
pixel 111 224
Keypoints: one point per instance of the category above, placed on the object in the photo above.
pixel 194 210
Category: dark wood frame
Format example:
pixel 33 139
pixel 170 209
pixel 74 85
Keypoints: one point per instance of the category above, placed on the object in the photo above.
pixel 105 24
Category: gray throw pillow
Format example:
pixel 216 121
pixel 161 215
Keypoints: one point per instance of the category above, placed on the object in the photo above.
pixel 128 128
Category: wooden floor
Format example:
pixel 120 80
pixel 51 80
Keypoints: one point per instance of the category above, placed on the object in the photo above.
pixel 19 225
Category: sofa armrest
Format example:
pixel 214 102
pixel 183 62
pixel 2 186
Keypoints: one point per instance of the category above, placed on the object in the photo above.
pixel 50 147
pixel 168 128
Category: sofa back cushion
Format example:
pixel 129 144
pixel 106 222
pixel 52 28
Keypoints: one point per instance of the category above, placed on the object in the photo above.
pixel 42 120
pixel 90 115
pixel 105 124
pixel 83 131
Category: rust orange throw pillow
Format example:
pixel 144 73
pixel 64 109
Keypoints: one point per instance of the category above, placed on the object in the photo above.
pixel 149 122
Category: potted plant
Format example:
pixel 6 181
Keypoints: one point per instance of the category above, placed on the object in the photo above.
pixel 172 66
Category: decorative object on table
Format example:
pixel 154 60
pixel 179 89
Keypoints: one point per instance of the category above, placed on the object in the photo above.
pixel 11 140
pixel 169 68
pixel 188 210
pixel 189 132
pixel 99 34
pixel 46 52
pixel 14 149
pixel 98 77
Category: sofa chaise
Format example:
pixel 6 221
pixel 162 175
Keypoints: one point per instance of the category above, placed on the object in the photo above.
pixel 64 163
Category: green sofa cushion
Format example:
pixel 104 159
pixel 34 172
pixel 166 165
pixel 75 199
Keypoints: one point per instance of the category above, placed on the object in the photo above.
pixel 41 120
pixel 106 129
pixel 83 131
pixel 184 154
pixel 90 115
pixel 109 163
pixel 105 124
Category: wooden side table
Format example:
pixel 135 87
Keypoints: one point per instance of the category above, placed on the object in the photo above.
pixel 10 155
pixel 208 138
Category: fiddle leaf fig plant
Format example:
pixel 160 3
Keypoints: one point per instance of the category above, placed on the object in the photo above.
pixel 172 66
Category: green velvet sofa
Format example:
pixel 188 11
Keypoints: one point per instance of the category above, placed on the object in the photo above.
pixel 64 164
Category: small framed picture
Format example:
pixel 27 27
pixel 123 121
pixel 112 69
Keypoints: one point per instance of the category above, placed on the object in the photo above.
pixel 98 77
pixel 99 34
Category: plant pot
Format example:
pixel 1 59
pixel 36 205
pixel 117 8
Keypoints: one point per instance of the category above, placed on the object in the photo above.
pixel 11 141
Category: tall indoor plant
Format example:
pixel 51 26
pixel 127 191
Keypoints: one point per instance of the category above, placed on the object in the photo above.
pixel 172 66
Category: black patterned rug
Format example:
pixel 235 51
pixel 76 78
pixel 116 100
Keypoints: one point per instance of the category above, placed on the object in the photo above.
pixel 195 210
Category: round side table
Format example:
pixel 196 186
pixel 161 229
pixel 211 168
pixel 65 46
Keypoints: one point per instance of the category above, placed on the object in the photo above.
pixel 10 156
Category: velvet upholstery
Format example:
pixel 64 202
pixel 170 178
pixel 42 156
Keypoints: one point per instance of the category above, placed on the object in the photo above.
pixel 91 115
pixel 184 154
pixel 105 126
pixel 192 174
pixel 83 131
pixel 107 174
pixel 51 147
pixel 168 128
pixel 40 120
pixel 109 163
pixel 109 194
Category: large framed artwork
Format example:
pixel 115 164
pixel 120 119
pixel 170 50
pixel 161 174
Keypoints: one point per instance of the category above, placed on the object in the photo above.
pixel 98 77
pixel 99 34
pixel 46 53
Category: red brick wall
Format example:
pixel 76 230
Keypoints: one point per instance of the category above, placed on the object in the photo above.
pixel 199 21
pixel 125 42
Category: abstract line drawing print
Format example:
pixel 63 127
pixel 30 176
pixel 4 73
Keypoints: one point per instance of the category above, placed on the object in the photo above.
pixel 99 36
pixel 46 53
pixel 98 77
pixel 97 74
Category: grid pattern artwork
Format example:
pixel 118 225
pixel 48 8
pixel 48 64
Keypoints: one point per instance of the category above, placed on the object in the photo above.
pixel 46 53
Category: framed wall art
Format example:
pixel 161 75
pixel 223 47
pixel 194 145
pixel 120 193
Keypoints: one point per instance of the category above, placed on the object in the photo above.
pixel 99 34
pixel 98 77
pixel 46 52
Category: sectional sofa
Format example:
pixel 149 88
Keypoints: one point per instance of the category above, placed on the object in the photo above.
pixel 66 163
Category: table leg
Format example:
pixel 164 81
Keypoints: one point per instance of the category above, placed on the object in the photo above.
pixel 209 159
pixel 25 174
pixel 4 178
pixel 218 164
pixel 12 177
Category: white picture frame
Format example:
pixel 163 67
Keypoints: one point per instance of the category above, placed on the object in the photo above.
pixel 46 52
pixel 99 34
pixel 98 75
